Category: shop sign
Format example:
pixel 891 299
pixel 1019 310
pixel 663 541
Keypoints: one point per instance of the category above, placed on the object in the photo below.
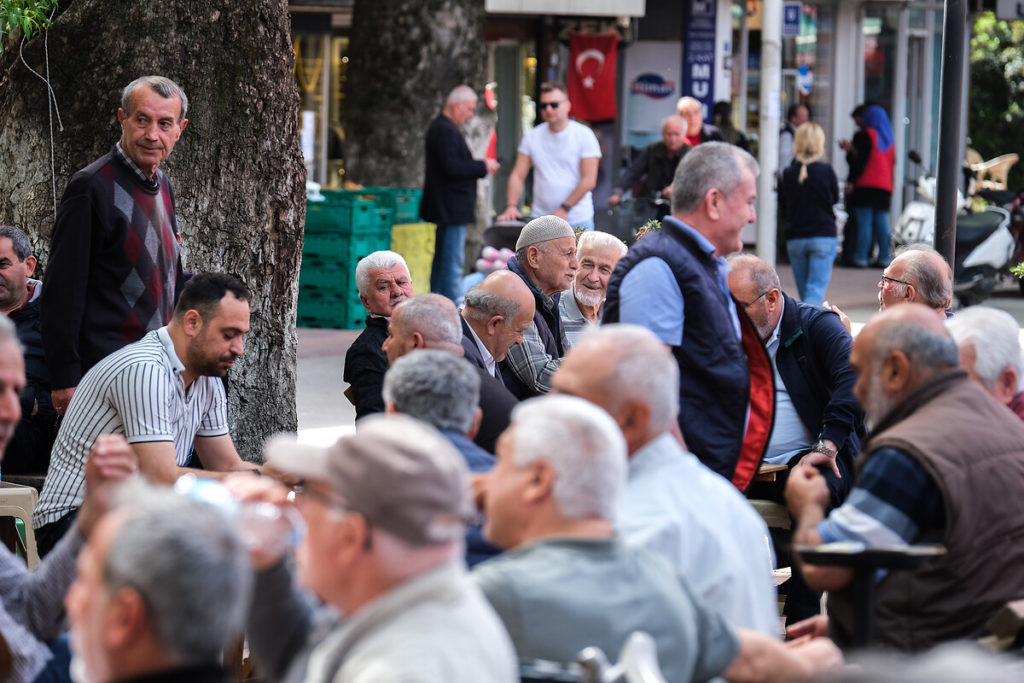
pixel 699 52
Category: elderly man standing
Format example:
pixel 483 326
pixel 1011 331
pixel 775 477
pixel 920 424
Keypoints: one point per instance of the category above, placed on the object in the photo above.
pixel 546 262
pixel 944 464
pixel 114 269
pixel 989 343
pixel 31 613
pixel 597 253
pixel 29 450
pixel 385 509
pixel 164 393
pixel 656 165
pixel 163 587
pixel 564 155
pixel 568 582
pixel 449 189
pixel 383 280
pixel 673 281
pixel 672 503
pixel 431 321
pixel 918 274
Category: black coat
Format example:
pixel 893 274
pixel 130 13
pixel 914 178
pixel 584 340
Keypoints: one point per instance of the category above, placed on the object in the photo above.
pixel 449 184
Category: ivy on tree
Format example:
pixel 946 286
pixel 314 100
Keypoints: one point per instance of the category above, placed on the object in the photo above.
pixel 30 16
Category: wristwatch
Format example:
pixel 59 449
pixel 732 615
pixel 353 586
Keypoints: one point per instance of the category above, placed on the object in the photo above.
pixel 565 207
pixel 820 447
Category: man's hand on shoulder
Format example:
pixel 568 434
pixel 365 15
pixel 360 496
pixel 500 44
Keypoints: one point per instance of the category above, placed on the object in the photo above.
pixel 62 398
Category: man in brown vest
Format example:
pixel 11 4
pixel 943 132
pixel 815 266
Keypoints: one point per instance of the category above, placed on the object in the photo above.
pixel 944 463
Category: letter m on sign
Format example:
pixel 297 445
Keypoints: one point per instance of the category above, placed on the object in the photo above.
pixel 701 72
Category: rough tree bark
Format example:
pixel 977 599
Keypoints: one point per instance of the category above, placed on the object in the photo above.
pixel 237 170
pixel 406 55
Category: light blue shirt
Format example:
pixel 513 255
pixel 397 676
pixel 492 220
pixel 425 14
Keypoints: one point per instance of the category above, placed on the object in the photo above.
pixel 676 507
pixel 650 296
pixel 789 435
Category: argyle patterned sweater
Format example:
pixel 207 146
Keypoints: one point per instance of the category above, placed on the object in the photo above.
pixel 114 270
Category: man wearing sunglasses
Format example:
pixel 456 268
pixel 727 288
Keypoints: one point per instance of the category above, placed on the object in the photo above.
pixel 564 156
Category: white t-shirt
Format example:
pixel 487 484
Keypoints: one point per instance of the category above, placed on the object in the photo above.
pixel 556 167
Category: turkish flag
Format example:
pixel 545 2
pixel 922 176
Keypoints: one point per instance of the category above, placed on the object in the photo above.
pixel 592 61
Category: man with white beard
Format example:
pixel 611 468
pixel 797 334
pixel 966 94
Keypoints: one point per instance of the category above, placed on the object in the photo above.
pixel 597 252
pixel 944 463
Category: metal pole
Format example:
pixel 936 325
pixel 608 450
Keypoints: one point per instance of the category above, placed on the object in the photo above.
pixel 954 32
pixel 771 114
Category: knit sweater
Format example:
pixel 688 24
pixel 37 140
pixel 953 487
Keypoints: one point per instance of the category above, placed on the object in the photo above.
pixel 115 266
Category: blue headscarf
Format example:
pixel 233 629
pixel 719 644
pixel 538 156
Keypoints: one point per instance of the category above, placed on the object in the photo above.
pixel 875 117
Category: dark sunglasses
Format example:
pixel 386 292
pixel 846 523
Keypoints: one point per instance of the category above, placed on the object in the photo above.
pixel 545 105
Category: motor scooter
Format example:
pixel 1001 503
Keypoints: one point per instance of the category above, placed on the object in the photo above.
pixel 984 243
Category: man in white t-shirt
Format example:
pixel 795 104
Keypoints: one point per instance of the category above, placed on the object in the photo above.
pixel 564 155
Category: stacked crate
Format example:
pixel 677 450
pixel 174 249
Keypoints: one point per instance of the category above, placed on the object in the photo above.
pixel 340 230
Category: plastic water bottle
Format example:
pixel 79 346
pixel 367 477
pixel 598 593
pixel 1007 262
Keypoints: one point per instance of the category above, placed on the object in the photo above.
pixel 264 528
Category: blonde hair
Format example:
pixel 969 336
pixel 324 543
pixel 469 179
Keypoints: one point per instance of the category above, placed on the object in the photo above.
pixel 808 146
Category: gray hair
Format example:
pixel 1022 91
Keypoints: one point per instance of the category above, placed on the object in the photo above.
pixel 460 93
pixel 432 315
pixel 162 86
pixel 187 562
pixel 995 336
pixel 482 305
pixel 599 240
pixel 20 242
pixel 583 445
pixel 436 387
pixel 375 261
pixel 761 273
pixel 708 166
pixel 642 370
pixel 934 285
pixel 674 118
pixel 928 351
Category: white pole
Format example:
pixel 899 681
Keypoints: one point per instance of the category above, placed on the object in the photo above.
pixel 771 115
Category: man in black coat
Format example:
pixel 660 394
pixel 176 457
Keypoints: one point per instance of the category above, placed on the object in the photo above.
pixel 449 189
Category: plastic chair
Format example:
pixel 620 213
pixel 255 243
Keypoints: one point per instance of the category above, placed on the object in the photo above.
pixel 992 174
pixel 20 502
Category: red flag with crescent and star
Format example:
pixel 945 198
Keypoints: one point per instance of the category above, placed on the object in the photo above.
pixel 592 63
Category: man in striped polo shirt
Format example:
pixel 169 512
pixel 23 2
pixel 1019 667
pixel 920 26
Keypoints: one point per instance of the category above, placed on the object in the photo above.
pixel 163 393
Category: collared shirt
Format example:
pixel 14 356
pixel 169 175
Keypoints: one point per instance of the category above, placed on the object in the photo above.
pixel 485 353
pixel 789 435
pixel 123 156
pixel 573 321
pixel 650 295
pixel 680 509
pixel 138 392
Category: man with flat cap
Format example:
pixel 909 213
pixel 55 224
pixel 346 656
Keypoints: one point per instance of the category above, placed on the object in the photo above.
pixel 385 510
pixel 545 260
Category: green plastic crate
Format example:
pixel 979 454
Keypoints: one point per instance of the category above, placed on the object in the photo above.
pixel 346 215
pixel 327 310
pixel 404 202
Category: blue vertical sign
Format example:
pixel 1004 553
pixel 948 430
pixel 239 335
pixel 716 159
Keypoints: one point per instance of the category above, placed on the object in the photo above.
pixel 699 53
pixel 791 12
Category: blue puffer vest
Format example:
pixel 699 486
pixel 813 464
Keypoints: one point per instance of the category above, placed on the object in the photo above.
pixel 714 387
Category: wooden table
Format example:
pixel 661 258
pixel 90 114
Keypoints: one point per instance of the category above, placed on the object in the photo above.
pixel 768 472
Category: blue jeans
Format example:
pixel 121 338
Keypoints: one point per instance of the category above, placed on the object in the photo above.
pixel 812 258
pixel 872 223
pixel 449 261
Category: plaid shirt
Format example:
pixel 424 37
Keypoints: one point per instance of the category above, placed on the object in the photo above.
pixel 151 182
pixel 531 363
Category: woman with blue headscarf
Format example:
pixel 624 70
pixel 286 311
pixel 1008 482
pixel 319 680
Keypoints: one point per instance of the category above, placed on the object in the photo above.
pixel 869 187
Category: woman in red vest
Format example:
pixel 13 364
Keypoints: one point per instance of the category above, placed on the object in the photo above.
pixel 869 188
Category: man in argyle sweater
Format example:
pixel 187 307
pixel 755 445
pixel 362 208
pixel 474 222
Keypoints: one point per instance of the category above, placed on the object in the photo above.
pixel 115 264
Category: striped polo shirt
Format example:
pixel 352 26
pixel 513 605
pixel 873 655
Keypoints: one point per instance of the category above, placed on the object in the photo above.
pixel 137 391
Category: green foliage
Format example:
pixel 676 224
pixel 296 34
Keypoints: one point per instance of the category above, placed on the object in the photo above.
pixel 1018 270
pixel 30 16
pixel 996 98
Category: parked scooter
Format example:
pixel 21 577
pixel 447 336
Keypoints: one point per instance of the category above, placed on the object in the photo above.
pixel 984 243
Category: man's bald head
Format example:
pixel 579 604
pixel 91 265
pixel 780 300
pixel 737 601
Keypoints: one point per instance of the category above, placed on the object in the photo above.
pixel 918 274
pixel 499 310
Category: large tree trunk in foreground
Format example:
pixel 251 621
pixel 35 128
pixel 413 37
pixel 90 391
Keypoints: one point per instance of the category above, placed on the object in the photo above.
pixel 405 56
pixel 237 170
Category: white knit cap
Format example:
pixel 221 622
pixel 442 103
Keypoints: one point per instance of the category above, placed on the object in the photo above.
pixel 543 229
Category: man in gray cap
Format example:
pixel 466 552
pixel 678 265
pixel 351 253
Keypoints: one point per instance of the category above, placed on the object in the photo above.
pixel 546 261
pixel 385 510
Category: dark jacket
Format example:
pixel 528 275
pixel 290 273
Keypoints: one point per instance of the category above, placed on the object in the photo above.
pixel 365 365
pixel 715 380
pixel 449 184
pixel 973 449
pixel 496 402
pixel 807 206
pixel 654 167
pixel 814 362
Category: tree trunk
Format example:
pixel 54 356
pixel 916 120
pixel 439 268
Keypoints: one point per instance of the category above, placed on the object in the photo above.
pixel 237 171
pixel 406 55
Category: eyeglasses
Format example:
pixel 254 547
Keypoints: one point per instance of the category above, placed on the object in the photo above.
pixel 886 278
pixel 553 105
pixel 748 304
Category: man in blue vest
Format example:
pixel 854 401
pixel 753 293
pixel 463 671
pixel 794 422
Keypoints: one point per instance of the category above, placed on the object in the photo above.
pixel 673 281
